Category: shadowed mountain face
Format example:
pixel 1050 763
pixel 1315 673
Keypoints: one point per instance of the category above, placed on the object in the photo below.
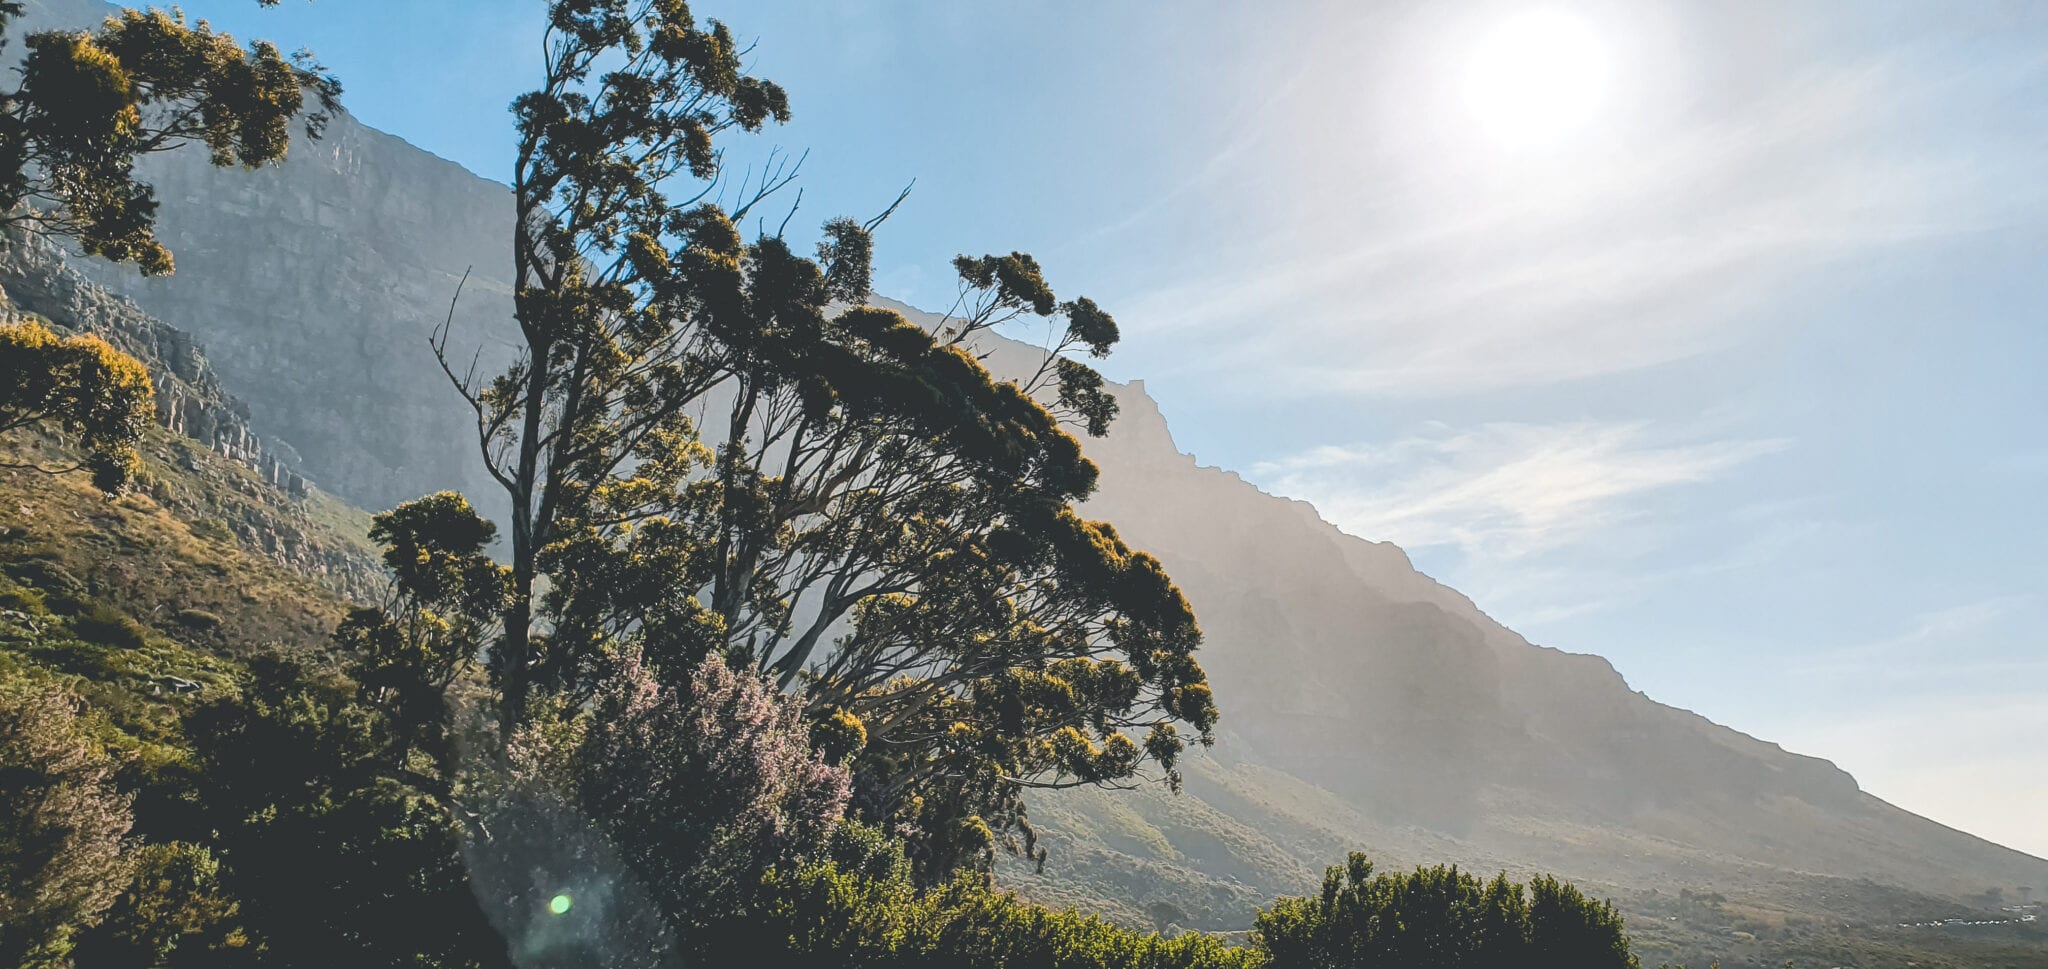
pixel 1366 705
pixel 1452 737
pixel 314 286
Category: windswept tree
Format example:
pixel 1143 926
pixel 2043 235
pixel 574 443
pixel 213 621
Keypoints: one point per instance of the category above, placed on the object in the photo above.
pixel 442 609
pixel 712 446
pixel 80 384
pixel 91 103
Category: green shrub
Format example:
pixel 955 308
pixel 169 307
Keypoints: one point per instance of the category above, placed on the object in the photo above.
pixel 1441 918
pixel 825 916
pixel 61 824
pixel 199 619
pixel 27 601
pixel 106 625
pixel 173 898
pixel 48 577
pixel 213 530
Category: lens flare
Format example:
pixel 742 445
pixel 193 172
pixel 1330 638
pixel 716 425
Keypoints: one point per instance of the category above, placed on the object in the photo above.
pixel 559 905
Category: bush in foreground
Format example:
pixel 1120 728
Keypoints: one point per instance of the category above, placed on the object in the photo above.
pixel 1441 918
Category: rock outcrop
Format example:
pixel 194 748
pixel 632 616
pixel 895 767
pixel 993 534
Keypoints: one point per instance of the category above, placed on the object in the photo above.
pixel 266 509
pixel 314 284
pixel 190 400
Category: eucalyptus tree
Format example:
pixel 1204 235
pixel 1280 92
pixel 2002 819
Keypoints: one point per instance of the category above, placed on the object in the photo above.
pixel 630 98
pixel 714 446
pixel 442 608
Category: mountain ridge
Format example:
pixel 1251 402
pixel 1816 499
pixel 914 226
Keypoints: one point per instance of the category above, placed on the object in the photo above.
pixel 1366 704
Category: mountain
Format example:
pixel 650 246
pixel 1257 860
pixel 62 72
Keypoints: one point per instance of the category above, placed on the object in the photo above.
pixel 327 334
pixel 1366 705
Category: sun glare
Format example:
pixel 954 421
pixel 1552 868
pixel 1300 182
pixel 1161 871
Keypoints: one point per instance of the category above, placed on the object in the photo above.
pixel 1535 79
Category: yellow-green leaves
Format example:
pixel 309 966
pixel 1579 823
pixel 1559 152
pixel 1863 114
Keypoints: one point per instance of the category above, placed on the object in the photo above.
pixel 435 546
pixel 81 384
pixel 90 104
pixel 98 94
pixel 838 735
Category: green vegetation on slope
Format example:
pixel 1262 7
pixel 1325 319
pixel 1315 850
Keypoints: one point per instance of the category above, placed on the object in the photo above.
pixel 230 800
pixel 629 773
pixel 1244 834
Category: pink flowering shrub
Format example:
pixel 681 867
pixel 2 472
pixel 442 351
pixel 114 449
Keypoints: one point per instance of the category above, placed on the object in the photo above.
pixel 653 810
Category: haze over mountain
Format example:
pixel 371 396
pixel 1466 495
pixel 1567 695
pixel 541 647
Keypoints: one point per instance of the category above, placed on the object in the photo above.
pixel 1366 705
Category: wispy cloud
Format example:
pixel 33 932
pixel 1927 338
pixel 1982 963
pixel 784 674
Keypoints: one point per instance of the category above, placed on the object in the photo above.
pixel 1649 252
pixel 1950 639
pixel 1535 596
pixel 1501 491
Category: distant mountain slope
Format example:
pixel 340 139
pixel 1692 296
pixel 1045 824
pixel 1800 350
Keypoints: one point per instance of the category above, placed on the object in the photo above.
pixel 325 333
pixel 1367 705
pixel 1341 665
pixel 204 463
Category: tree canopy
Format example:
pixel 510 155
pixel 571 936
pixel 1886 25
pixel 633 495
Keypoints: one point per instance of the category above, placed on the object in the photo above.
pixel 90 103
pixel 712 446
pixel 1440 918
pixel 81 384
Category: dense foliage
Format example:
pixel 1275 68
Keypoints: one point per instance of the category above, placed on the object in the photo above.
pixel 654 811
pixel 865 514
pixel 80 384
pixel 61 824
pixel 771 688
pixel 268 821
pixel 1441 918
pixel 89 104
pixel 859 919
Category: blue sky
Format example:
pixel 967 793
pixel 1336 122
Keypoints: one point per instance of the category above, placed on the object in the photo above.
pixel 1724 363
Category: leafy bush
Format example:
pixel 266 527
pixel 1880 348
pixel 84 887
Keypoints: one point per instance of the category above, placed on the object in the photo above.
pixel 331 860
pixel 653 813
pixel 1440 918
pixel 199 619
pixel 53 580
pixel 212 530
pixel 28 602
pixel 109 626
pixel 173 904
pixel 824 915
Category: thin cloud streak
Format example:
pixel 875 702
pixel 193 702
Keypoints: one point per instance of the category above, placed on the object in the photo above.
pixel 1644 256
pixel 1501 491
pixel 1935 640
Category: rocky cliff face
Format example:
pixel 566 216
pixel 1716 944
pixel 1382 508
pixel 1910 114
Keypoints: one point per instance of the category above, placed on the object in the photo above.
pixel 315 283
pixel 265 504
pixel 1382 708
pixel 327 334
pixel 1340 665
pixel 190 400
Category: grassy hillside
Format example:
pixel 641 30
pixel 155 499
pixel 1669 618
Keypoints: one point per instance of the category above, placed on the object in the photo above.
pixel 1243 834
pixel 203 552
pixel 121 599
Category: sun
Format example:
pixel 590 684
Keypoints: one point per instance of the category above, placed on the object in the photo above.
pixel 1535 79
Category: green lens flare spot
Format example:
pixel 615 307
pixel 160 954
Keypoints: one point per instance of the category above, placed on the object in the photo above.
pixel 559 905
